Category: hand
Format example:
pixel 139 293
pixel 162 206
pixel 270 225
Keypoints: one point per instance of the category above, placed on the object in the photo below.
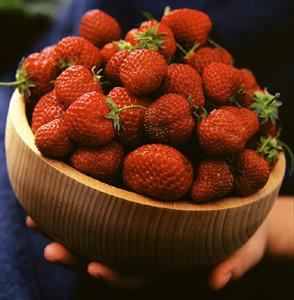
pixel 279 220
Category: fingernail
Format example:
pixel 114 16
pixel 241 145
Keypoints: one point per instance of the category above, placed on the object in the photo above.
pixel 93 272
pixel 226 278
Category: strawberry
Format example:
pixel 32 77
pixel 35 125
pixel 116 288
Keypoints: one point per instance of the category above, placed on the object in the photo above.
pixel 249 79
pixel 252 172
pixel 250 87
pixel 169 120
pixel 73 82
pixel 87 122
pixel 131 36
pixel 214 180
pixel 189 26
pixel 73 50
pixel 99 28
pixel 157 36
pixel 222 83
pixel 142 71
pixel 49 50
pixel 131 131
pixel 205 56
pixel 34 75
pixel 112 67
pixel 222 133
pixel 158 171
pixel 47 109
pixel 184 80
pixel 52 139
pixel 247 116
pixel 111 48
pixel 108 51
pixel 103 162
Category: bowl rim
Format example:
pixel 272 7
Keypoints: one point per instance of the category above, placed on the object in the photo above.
pixel 17 114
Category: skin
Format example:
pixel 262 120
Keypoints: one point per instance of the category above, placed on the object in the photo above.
pixel 266 240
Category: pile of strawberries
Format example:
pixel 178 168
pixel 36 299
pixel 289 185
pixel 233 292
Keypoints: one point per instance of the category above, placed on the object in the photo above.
pixel 163 113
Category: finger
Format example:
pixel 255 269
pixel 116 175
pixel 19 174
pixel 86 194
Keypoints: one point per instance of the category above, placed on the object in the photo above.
pixel 58 254
pixel 240 262
pixel 31 223
pixel 99 271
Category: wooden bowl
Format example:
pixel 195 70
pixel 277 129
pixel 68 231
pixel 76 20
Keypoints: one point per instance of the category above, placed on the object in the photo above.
pixel 120 228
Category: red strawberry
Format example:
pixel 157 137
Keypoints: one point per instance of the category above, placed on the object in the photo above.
pixel 184 80
pixel 169 120
pixel 214 180
pixel 73 82
pixel 108 51
pixel 47 109
pixel 131 36
pixel 103 163
pixel 131 120
pixel 99 28
pixel 87 122
pixel 250 87
pixel 269 128
pixel 247 116
pixel 35 74
pixel 158 171
pixel 249 79
pixel 157 36
pixel 142 71
pixel 205 56
pixel 253 172
pixel 77 50
pixel 222 133
pixel 222 83
pixel 112 67
pixel 52 139
pixel 49 50
pixel 188 25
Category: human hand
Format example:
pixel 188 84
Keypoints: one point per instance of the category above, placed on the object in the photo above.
pixel 267 238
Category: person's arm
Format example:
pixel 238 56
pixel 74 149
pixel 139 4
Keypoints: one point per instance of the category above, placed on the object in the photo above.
pixel 275 236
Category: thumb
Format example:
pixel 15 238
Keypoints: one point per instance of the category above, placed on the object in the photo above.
pixel 241 261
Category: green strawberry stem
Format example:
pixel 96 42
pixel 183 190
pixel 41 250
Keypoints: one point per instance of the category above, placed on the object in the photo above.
pixel 185 52
pixel 148 15
pixel 96 74
pixel 13 83
pixel 198 111
pixel 114 113
pixel 215 44
pixel 192 50
pixel 167 10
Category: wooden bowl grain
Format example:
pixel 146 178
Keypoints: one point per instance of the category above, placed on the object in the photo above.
pixel 123 229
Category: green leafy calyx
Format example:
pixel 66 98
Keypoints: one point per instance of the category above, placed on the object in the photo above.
pixel 266 106
pixel 270 149
pixel 123 45
pixel 150 38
